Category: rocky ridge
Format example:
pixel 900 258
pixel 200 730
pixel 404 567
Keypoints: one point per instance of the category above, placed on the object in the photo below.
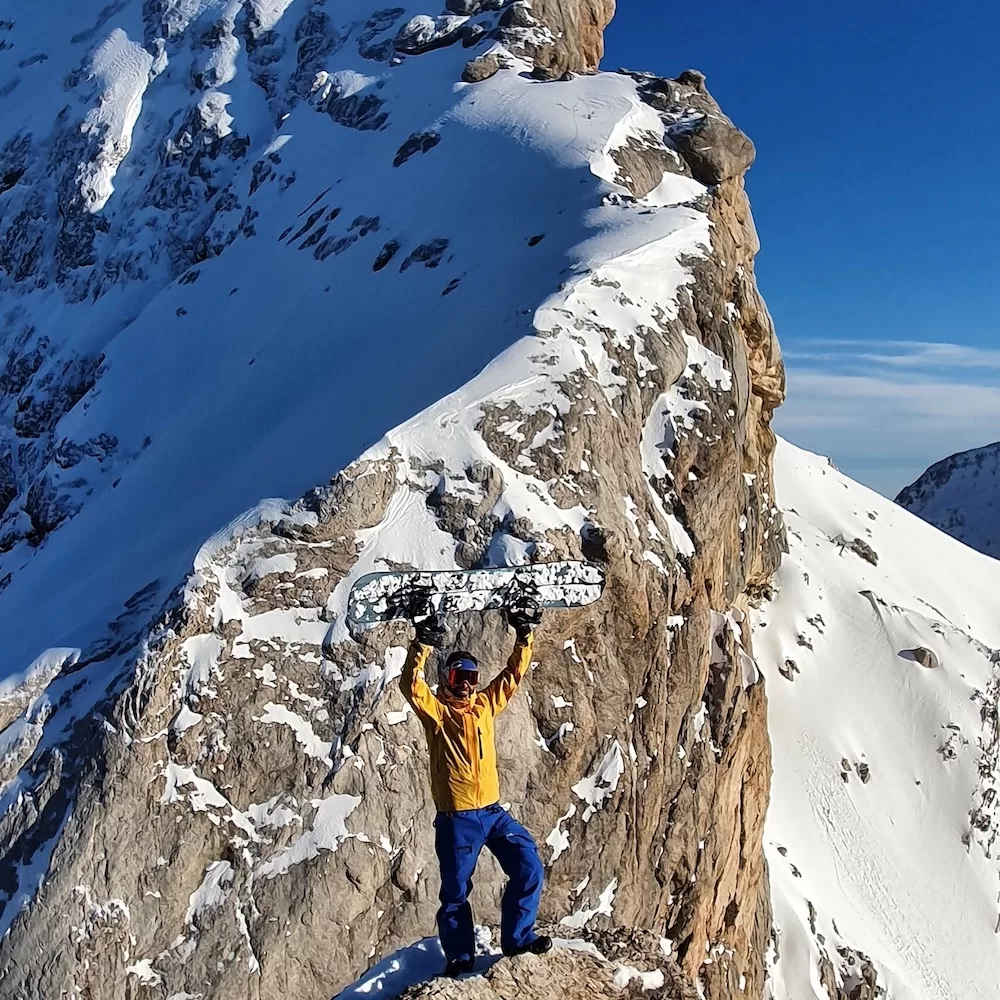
pixel 219 792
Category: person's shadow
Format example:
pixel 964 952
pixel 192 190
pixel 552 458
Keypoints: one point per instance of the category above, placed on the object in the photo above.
pixel 417 963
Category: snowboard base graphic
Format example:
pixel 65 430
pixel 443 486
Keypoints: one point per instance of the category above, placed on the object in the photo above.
pixel 383 597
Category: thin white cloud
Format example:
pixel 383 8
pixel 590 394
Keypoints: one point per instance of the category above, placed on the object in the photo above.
pixel 897 354
pixel 884 415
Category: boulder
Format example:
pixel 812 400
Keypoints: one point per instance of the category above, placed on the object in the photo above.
pixel 424 34
pixel 481 68
pixel 924 656
pixel 714 149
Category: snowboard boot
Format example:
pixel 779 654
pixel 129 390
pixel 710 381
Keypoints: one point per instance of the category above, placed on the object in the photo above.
pixel 539 946
pixel 459 967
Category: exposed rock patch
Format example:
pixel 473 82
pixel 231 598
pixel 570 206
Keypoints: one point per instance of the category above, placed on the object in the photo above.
pixel 419 142
pixel 922 655
pixel 429 254
pixel 859 547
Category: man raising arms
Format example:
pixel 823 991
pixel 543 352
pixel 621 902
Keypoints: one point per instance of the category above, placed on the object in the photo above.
pixel 459 725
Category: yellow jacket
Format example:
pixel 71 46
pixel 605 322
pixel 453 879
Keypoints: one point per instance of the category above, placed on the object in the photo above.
pixel 460 733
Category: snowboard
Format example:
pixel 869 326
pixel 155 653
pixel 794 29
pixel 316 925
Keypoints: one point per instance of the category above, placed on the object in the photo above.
pixel 383 597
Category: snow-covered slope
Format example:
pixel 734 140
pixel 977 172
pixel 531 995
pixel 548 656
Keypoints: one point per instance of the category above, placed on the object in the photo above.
pixel 961 495
pixel 882 824
pixel 339 204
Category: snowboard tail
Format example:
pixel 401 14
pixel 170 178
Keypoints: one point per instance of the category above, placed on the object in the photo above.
pixel 383 597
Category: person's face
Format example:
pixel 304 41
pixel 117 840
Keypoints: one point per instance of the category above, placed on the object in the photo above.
pixel 463 682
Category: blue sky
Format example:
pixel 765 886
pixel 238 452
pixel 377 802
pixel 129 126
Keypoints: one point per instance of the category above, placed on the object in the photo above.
pixel 876 196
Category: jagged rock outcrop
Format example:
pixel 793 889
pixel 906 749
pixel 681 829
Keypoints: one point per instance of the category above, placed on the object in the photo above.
pixel 223 792
pixel 572 33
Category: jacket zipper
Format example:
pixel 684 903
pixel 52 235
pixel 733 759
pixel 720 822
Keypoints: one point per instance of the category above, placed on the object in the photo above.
pixel 480 735
pixel 470 721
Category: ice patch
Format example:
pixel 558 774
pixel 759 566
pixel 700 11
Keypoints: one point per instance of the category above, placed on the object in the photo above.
pixel 558 839
pixel 311 744
pixel 204 794
pixel 713 369
pixel 604 907
pixel 143 971
pixel 185 720
pixel 211 894
pixel 269 12
pixel 655 560
pixel 202 654
pixel 596 788
pixel 624 974
pixel 328 831
pixel 284 562
pixel 396 718
pixel 271 814
pixel 266 675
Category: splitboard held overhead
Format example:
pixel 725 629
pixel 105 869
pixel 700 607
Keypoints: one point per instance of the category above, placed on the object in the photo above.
pixel 382 597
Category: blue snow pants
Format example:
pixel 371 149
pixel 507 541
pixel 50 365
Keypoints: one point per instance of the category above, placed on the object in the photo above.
pixel 459 838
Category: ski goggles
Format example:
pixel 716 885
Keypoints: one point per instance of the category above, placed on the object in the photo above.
pixel 463 670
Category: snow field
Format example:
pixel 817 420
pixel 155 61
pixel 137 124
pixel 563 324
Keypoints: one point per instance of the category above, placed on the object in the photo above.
pixel 877 759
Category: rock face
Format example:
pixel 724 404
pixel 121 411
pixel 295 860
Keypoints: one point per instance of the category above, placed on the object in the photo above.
pixel 961 495
pixel 209 789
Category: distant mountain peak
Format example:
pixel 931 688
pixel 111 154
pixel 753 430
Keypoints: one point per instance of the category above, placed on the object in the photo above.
pixel 961 496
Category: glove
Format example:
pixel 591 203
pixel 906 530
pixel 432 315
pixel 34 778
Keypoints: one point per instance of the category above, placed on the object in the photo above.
pixel 524 617
pixel 430 631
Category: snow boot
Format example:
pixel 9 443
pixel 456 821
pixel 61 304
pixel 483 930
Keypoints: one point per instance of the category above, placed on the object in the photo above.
pixel 539 946
pixel 459 967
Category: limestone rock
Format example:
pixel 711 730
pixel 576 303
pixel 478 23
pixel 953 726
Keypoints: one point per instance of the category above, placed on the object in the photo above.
pixel 558 36
pixel 714 149
pixel 857 979
pixel 859 547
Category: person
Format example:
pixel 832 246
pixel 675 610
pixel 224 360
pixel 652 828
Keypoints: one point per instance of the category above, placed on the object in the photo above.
pixel 459 725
